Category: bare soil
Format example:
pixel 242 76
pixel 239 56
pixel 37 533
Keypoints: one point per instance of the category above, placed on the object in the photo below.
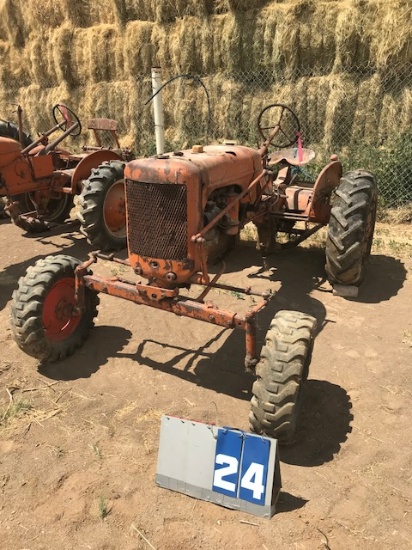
pixel 79 438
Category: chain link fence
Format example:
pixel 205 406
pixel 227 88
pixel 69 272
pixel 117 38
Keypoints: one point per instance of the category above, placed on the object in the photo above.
pixel 361 114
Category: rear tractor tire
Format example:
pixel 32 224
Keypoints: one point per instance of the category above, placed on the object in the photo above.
pixel 42 311
pixel 10 130
pixel 281 372
pixel 351 227
pixel 57 209
pixel 102 211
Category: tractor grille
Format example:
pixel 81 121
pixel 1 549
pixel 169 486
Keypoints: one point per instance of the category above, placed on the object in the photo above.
pixel 157 220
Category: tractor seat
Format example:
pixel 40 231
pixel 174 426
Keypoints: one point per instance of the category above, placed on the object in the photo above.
pixel 291 156
pixel 105 130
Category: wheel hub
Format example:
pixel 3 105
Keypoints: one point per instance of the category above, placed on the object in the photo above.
pixel 115 209
pixel 59 319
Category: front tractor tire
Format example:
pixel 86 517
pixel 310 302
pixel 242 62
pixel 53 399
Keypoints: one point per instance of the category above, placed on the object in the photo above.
pixel 281 372
pixel 102 211
pixel 43 319
pixel 351 227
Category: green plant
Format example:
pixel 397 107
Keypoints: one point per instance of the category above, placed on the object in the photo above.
pixel 15 408
pixel 97 450
pixel 392 165
pixel 103 508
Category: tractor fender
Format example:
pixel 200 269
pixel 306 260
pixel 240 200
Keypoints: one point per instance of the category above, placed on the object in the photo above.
pixel 10 150
pixel 85 166
pixel 318 209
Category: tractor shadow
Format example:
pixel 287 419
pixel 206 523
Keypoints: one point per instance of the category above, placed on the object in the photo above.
pixel 302 270
pixel 324 421
pixel 384 278
pixel 104 343
pixel 218 364
pixel 68 242
pixel 323 425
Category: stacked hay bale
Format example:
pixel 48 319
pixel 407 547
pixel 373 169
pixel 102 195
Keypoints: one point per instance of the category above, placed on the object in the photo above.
pixel 344 65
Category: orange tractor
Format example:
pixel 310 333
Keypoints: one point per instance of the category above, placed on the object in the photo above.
pixel 184 210
pixel 39 179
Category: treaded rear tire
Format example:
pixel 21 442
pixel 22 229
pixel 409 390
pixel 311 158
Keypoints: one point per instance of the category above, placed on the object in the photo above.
pixel 351 227
pixel 57 210
pixel 92 202
pixel 10 130
pixel 282 369
pixel 27 310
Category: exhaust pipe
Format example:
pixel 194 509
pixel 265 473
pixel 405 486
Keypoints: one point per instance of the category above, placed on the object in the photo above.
pixel 158 110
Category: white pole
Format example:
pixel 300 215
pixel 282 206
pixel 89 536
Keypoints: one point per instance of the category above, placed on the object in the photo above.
pixel 158 110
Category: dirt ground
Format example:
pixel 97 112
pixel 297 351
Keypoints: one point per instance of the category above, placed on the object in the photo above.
pixel 79 438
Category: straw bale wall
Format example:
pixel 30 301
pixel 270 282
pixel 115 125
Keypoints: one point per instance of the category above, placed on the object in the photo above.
pixel 344 65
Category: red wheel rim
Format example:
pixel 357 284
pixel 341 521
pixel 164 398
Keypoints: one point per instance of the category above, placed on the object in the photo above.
pixel 58 320
pixel 114 210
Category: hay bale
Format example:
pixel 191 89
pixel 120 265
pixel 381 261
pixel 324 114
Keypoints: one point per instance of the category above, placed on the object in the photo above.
pixel 134 10
pixel 12 23
pixel 391 38
pixel 365 126
pixel 343 65
pixel 186 48
pixel 169 12
pixel 140 52
pixel 41 66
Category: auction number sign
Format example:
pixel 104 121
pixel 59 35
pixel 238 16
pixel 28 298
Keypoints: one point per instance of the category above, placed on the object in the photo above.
pixel 241 465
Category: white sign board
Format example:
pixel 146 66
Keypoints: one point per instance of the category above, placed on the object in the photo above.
pixel 226 466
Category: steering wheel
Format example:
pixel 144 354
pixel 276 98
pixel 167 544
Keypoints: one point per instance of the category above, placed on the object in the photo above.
pixel 287 123
pixel 61 113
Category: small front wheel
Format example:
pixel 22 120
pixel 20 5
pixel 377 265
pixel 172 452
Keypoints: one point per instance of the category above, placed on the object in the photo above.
pixel 281 372
pixel 44 320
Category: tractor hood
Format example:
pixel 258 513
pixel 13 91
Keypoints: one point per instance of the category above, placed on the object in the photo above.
pixel 215 166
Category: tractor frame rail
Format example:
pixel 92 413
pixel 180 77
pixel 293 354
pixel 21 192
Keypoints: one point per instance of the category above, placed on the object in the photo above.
pixel 170 300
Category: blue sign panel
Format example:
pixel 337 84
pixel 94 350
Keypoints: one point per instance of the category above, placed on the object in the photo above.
pixel 227 462
pixel 254 469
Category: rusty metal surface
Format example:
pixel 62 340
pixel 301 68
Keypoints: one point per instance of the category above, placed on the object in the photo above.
pixel 85 166
pixel 327 180
pixel 170 300
pixel 179 305
pixel 102 124
pixel 298 198
pixel 9 151
pixel 166 198
pixel 249 190
pixel 157 220
pixel 217 166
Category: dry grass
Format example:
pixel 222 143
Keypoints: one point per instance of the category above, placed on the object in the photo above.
pixel 401 215
pixel 22 405
pixel 390 238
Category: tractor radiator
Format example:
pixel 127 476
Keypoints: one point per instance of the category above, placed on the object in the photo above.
pixel 157 220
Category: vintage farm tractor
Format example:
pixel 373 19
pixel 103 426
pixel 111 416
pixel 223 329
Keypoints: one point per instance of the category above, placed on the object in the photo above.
pixel 185 209
pixel 39 179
